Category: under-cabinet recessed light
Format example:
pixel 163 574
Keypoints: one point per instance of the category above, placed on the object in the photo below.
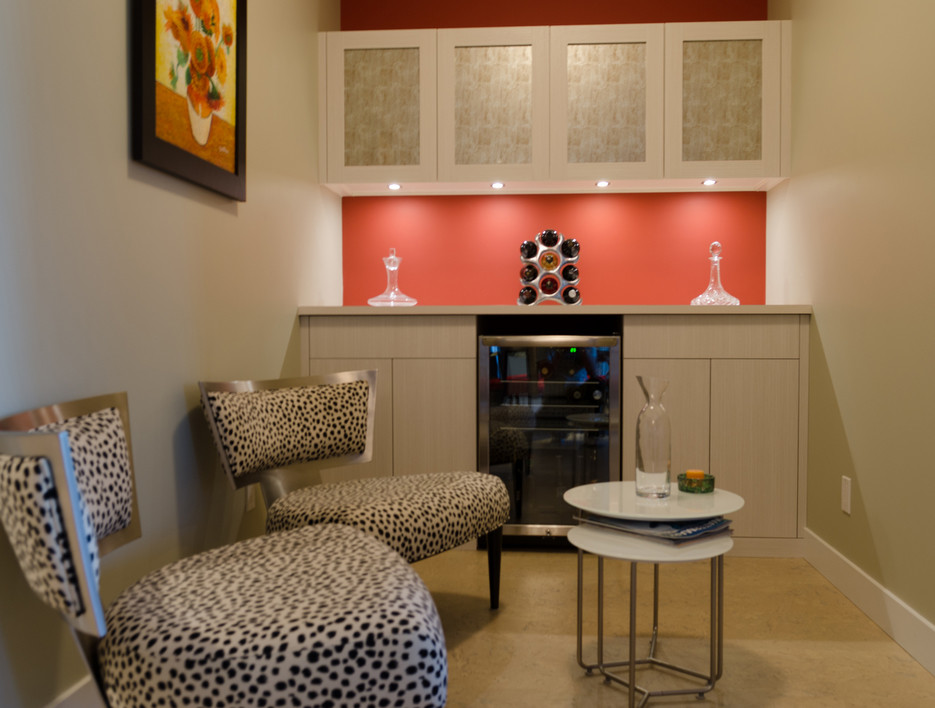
pixel 602 183
pixel 394 186
pixel 497 185
pixel 710 182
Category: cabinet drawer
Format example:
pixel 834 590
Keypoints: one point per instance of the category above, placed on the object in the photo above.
pixel 711 336
pixel 392 336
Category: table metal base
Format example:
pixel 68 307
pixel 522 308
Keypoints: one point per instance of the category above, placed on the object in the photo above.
pixel 716 649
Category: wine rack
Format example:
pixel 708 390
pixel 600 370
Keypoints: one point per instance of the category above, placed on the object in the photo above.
pixel 549 270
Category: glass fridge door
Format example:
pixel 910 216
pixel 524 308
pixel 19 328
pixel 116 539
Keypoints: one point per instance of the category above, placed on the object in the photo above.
pixel 549 420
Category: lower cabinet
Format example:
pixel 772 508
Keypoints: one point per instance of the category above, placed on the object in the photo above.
pixel 426 413
pixel 738 412
pixel 737 398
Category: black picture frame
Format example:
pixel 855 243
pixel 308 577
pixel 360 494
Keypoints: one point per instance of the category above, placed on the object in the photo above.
pixel 191 162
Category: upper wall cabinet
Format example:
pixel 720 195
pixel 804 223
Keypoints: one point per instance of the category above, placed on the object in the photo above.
pixel 607 102
pixel 723 99
pixel 493 104
pixel 554 109
pixel 380 106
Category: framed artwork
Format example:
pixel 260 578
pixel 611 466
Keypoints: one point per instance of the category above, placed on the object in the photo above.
pixel 189 81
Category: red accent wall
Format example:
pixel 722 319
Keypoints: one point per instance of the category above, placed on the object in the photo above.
pixel 636 249
pixel 416 14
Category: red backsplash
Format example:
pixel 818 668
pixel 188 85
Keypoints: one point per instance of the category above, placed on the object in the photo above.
pixel 636 249
pixel 415 14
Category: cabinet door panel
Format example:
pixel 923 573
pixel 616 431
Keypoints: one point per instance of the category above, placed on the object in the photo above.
pixel 723 90
pixel 686 400
pixel 606 101
pixel 382 463
pixel 493 103
pixel 434 415
pixel 381 106
pixel 754 441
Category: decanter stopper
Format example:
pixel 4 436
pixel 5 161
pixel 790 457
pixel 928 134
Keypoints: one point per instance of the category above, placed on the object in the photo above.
pixel 392 296
pixel 715 293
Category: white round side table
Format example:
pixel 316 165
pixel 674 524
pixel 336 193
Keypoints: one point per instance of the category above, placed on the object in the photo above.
pixel 618 500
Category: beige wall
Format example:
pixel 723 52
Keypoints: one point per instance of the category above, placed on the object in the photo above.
pixel 852 233
pixel 114 276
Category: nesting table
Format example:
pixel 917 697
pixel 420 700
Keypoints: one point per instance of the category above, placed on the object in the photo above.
pixel 619 500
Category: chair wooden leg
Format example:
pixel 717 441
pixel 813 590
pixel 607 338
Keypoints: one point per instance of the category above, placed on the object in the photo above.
pixel 494 549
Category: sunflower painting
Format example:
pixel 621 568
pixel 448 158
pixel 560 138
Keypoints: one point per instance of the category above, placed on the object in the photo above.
pixel 196 78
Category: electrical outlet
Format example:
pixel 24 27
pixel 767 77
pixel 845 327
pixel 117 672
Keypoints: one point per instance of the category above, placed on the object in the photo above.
pixel 251 498
pixel 846 494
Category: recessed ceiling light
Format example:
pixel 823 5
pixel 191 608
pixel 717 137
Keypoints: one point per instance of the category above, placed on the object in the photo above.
pixel 710 182
pixel 394 186
pixel 602 183
pixel 497 185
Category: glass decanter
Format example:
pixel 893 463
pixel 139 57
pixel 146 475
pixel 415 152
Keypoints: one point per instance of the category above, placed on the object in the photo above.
pixel 392 296
pixel 715 294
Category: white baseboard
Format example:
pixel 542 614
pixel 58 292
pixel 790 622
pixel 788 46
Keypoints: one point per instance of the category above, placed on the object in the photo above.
pixel 82 695
pixel 907 627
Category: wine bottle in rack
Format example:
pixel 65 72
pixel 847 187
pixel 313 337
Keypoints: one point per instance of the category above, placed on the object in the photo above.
pixel 571 295
pixel 570 248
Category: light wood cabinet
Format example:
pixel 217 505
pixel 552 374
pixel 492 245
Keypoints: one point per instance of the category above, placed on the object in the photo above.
pixel 737 405
pixel 426 414
pixel 724 99
pixel 493 104
pixel 607 102
pixel 380 100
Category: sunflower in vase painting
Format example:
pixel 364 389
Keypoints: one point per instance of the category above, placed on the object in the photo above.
pixel 201 56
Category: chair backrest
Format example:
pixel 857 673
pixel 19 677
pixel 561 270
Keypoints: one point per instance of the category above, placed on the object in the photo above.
pixel 67 496
pixel 273 432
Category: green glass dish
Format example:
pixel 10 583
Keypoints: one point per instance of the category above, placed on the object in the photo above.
pixel 696 486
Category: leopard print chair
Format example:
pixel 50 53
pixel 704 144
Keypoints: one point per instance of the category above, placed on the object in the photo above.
pixel 264 430
pixel 319 616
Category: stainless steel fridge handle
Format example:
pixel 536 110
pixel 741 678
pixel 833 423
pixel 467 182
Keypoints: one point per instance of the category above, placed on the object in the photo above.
pixel 549 340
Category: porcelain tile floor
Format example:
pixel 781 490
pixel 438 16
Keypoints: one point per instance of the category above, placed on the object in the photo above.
pixel 790 638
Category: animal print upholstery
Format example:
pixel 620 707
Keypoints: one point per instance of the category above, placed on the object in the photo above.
pixel 418 515
pixel 101 458
pixel 318 616
pixel 261 430
pixel 32 517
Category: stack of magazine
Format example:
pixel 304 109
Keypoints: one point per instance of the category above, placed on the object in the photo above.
pixel 676 532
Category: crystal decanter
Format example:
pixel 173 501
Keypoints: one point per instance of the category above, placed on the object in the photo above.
pixel 715 294
pixel 392 296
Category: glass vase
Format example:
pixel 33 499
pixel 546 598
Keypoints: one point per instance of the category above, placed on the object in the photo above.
pixel 392 296
pixel 653 441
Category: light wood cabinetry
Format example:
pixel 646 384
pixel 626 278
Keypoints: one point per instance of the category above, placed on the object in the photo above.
pixel 737 405
pixel 493 104
pixel 380 104
pixel 723 99
pixel 607 101
pixel 737 394
pixel 426 416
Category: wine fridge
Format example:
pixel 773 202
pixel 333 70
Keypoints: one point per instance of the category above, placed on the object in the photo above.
pixel 548 420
